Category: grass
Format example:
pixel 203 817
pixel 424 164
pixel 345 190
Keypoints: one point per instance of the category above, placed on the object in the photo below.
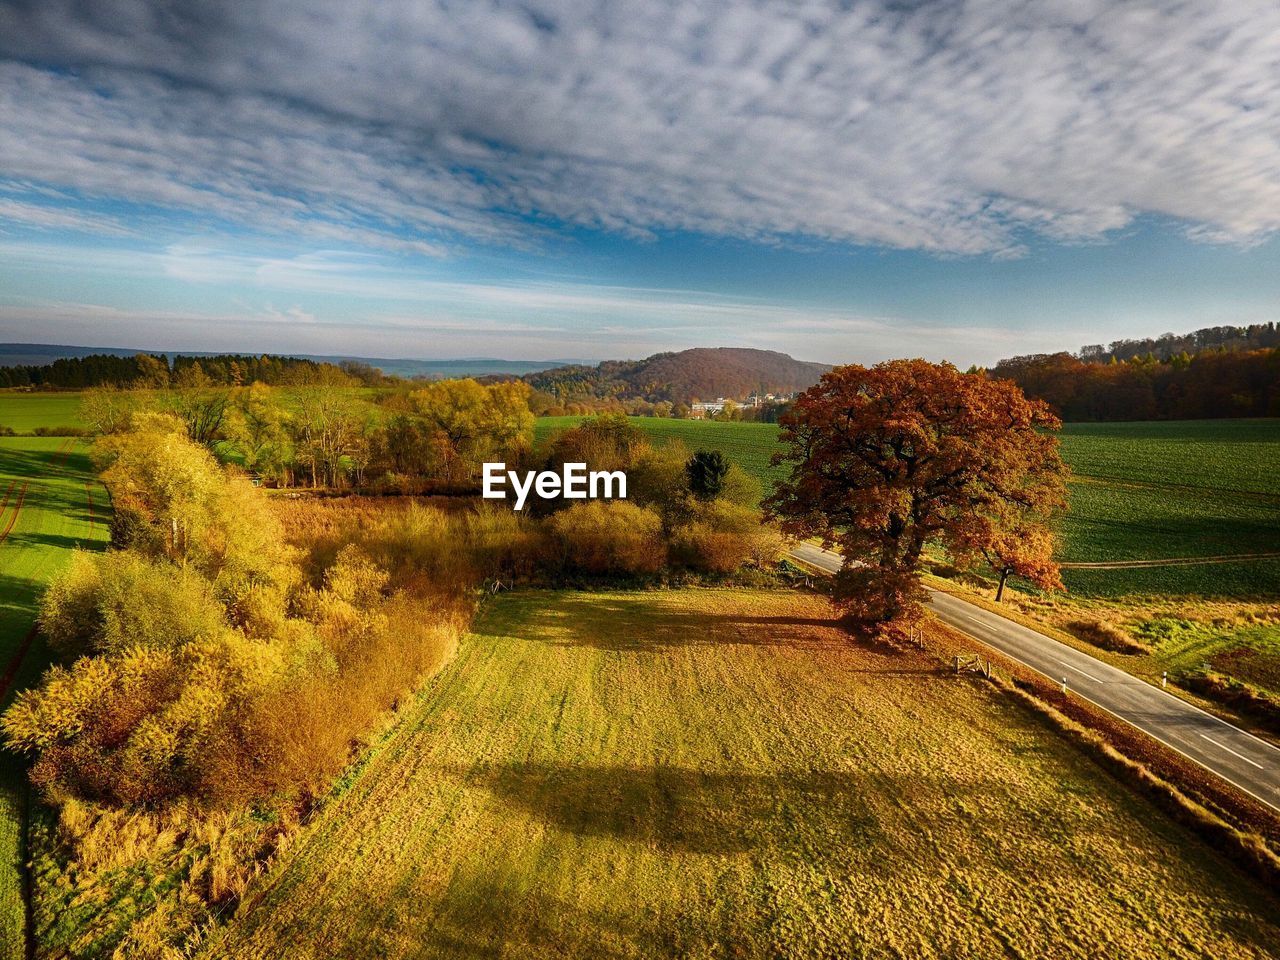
pixel 1228 456
pixel 711 773
pixel 46 484
pixel 24 412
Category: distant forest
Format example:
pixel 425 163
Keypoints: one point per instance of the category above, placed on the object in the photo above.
pixel 73 373
pixel 1211 373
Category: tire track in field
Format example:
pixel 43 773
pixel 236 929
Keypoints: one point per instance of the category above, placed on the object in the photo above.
pixel 15 662
pixel 17 509
pixel 57 467
pixel 56 463
pixel 1170 562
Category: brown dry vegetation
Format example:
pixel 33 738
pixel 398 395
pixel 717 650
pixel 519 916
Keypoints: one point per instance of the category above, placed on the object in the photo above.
pixel 720 772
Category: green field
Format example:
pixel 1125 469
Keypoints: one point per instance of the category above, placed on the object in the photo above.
pixel 750 445
pixel 1142 491
pixel 52 502
pixel 25 412
pixel 720 773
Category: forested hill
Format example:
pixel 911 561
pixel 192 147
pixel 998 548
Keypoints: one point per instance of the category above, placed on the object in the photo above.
pixel 703 373
pixel 1212 373
pixel 1255 336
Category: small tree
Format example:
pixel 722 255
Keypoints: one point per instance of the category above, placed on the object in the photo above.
pixel 706 471
pixel 888 459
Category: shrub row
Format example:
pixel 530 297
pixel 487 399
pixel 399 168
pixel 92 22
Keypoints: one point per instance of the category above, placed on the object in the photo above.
pixel 1107 636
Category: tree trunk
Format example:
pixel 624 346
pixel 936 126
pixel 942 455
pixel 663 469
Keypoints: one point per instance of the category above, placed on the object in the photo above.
pixel 1004 575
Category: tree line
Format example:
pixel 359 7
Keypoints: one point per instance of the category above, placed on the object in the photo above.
pixel 1209 384
pixel 1254 336
pixel 156 370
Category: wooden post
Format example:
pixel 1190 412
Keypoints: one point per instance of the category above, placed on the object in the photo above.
pixel 957 663
pixel 1004 575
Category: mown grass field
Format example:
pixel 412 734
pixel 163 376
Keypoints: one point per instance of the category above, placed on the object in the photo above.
pixel 52 502
pixel 712 773
pixel 1142 491
pixel 24 412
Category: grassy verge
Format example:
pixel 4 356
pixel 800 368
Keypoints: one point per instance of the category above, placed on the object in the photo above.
pixel 720 772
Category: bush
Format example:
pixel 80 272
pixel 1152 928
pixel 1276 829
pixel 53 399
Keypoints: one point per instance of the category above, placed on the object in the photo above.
pixel 1243 696
pixel 608 538
pixel 111 602
pixel 134 728
pixel 876 599
pixel 722 537
pixel 209 666
pixel 1107 636
pixel 60 432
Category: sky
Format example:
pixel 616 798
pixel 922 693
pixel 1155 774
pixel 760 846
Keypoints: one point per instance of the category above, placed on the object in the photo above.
pixel 845 182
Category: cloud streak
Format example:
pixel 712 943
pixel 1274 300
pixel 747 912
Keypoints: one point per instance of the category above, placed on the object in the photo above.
pixel 953 127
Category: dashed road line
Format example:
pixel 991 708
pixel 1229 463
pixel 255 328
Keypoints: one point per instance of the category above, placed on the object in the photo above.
pixel 1081 672
pixel 1223 746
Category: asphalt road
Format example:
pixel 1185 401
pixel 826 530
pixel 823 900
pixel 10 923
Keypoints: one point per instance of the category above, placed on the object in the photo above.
pixel 1238 757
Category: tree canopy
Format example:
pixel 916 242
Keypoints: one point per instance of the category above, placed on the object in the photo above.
pixel 889 459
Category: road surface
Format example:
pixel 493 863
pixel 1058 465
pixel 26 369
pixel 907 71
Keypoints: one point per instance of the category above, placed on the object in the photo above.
pixel 1238 757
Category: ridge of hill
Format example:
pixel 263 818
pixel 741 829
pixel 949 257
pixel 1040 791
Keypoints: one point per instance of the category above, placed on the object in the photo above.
pixel 700 373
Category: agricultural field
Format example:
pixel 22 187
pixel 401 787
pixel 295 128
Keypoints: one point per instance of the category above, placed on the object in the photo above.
pixel 26 412
pixel 706 773
pixel 51 503
pixel 1167 490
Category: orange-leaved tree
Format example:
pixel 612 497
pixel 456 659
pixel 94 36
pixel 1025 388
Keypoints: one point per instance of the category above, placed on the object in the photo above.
pixel 888 459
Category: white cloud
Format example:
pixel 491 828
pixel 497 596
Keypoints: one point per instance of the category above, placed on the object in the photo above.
pixel 954 127
pixel 54 218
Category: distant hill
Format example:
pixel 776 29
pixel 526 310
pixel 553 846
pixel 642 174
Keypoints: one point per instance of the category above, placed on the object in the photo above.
pixel 702 373
pixel 42 354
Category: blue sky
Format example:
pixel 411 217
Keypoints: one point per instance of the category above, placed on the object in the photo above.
pixel 844 182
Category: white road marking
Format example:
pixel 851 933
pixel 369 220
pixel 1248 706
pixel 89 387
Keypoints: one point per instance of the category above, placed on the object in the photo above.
pixel 1230 751
pixel 1079 671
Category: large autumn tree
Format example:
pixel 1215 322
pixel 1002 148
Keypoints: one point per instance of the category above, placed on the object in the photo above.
pixel 888 459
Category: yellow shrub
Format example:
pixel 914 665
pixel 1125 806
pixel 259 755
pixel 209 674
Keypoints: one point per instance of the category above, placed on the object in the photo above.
pixel 609 538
